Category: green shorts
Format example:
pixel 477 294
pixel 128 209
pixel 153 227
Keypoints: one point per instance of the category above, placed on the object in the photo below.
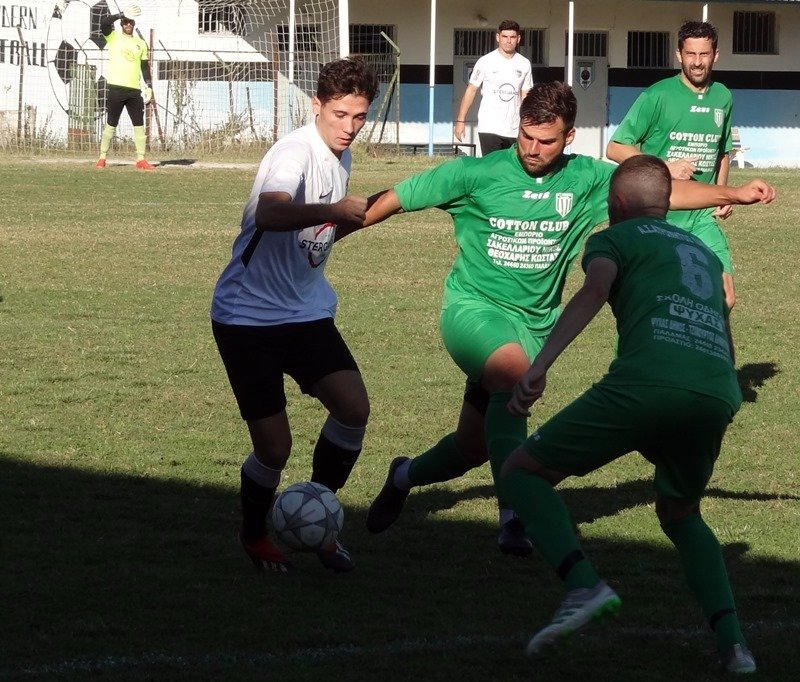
pixel 678 431
pixel 711 234
pixel 473 329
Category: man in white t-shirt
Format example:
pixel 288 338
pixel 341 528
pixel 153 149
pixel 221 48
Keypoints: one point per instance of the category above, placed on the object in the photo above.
pixel 272 311
pixel 504 78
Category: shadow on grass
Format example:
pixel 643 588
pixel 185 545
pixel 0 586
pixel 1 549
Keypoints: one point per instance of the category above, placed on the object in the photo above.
pixel 177 162
pixel 585 505
pixel 753 376
pixel 138 578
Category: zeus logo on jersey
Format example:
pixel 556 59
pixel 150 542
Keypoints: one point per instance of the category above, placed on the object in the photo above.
pixel 316 241
pixel 699 110
pixel 530 194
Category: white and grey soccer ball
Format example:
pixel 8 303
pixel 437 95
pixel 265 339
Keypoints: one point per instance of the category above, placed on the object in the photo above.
pixel 307 516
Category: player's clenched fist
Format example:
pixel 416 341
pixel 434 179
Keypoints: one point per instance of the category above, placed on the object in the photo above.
pixel 754 192
pixel 351 210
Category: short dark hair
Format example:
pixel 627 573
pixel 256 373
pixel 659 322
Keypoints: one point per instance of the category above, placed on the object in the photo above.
pixel 697 29
pixel 545 102
pixel 508 25
pixel 645 166
pixel 348 76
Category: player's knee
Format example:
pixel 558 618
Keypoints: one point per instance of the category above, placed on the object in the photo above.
pixel 274 455
pixel 671 510
pixel 354 413
pixel 518 459
pixel 272 442
pixel 522 460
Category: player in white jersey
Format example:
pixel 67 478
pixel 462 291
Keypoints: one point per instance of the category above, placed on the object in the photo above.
pixel 272 311
pixel 504 77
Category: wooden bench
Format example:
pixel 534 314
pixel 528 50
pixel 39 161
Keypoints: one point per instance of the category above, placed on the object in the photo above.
pixel 452 148
pixel 737 153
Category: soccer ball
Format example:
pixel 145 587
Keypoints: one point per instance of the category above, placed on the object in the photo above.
pixel 307 516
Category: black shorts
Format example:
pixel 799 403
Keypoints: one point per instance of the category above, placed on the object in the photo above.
pixel 256 358
pixel 492 143
pixel 124 98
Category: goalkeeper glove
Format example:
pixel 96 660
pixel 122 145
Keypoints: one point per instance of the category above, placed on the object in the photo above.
pixel 131 12
pixel 147 95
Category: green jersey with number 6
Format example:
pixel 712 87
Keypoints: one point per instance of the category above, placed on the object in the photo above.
pixel 517 235
pixel 669 305
pixel 672 122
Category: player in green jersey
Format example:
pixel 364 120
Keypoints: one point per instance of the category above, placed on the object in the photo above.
pixel 128 62
pixel 686 121
pixel 670 394
pixel 520 216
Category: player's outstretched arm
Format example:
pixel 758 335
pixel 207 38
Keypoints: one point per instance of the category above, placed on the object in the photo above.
pixel 581 309
pixel 107 23
pixel 276 212
pixel 382 205
pixel 689 195
pixel 754 192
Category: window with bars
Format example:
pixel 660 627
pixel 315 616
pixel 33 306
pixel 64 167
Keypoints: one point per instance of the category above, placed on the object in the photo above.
pixel 306 38
pixel 754 33
pixel 367 38
pixel 476 42
pixel 588 43
pixel 223 19
pixel 649 50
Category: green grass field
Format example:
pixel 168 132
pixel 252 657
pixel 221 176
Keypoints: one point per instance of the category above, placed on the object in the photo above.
pixel 120 447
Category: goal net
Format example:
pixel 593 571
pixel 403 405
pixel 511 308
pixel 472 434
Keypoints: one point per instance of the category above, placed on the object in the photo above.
pixel 227 73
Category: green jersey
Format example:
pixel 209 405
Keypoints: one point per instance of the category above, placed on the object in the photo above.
pixel 672 122
pixel 517 235
pixel 669 305
pixel 125 56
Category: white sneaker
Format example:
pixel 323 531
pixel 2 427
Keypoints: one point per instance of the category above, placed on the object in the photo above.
pixel 576 611
pixel 738 659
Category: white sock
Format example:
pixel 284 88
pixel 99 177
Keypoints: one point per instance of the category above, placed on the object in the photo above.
pixel 401 476
pixel 506 515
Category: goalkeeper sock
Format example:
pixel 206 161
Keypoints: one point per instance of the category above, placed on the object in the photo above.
pixel 704 568
pixel 105 140
pixel 443 462
pixel 547 523
pixel 140 140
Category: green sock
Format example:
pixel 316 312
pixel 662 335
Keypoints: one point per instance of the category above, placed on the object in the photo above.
pixel 105 140
pixel 140 140
pixel 443 462
pixel 504 433
pixel 704 568
pixel 548 524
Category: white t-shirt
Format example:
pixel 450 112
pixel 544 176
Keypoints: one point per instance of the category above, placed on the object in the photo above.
pixel 277 277
pixel 502 81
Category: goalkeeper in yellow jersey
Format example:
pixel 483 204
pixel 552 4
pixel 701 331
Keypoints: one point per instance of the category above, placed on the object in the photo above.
pixel 128 64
